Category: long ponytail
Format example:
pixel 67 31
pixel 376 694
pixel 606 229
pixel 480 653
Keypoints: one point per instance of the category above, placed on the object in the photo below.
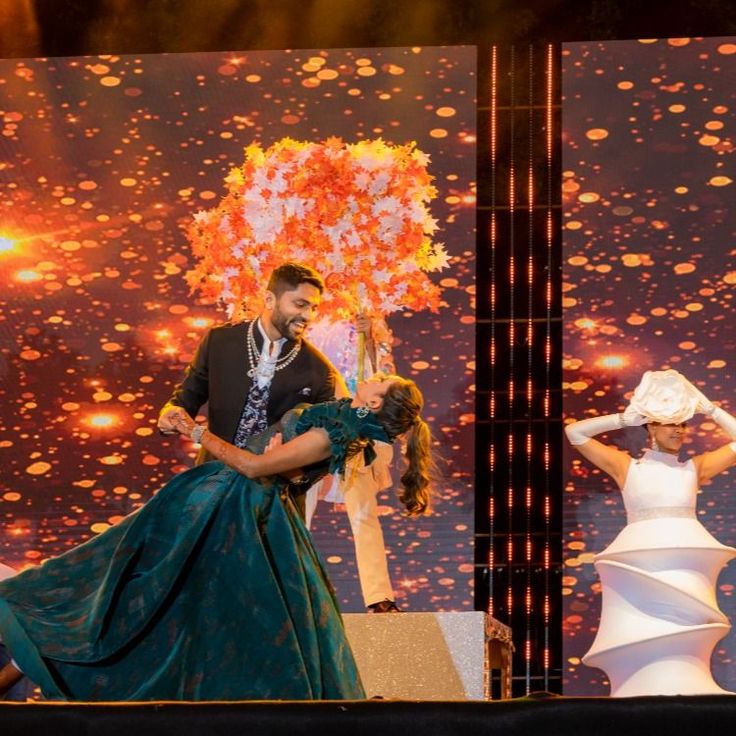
pixel 400 414
pixel 416 479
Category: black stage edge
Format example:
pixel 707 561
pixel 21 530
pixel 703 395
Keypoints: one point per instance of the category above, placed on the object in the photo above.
pixel 546 715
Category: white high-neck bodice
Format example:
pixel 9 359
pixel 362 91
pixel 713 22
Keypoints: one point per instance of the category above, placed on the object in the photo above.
pixel 659 485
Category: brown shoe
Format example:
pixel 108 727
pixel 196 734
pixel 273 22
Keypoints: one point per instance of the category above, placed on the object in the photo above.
pixel 384 606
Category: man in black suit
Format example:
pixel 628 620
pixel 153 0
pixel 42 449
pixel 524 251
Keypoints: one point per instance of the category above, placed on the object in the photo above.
pixel 251 373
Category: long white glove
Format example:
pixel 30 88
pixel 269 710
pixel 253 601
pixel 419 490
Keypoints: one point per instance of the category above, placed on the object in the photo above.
pixel 720 416
pixel 580 432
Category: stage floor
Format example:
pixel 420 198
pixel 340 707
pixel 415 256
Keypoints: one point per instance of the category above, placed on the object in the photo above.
pixel 545 715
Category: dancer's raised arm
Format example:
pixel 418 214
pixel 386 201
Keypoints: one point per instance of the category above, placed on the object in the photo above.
pixel 709 464
pixel 609 459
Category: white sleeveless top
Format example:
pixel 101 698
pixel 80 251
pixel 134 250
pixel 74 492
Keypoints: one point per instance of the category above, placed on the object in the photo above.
pixel 658 485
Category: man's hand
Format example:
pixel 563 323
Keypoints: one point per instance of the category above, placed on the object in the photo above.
pixel 168 417
pixel 276 441
pixel 183 423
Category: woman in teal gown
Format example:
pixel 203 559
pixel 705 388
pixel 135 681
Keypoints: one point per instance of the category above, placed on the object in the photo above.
pixel 213 589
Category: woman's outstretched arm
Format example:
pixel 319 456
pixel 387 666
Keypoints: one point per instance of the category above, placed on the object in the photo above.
pixel 308 448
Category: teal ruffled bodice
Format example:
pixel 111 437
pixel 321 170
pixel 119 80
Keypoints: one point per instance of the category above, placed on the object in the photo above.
pixel 350 430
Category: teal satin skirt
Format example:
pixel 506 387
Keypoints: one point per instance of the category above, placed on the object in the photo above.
pixel 211 591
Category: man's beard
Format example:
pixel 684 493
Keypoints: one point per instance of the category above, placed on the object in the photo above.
pixel 284 325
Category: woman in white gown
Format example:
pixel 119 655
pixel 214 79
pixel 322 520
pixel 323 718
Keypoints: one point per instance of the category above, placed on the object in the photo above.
pixel 660 620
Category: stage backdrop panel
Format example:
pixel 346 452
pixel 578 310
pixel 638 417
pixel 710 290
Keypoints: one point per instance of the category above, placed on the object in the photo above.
pixel 650 264
pixel 103 162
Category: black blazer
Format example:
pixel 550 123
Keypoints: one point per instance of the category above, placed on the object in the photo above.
pixel 218 376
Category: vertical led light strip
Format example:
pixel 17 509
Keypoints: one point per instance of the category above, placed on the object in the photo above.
pixel 511 342
pixel 492 346
pixel 520 388
pixel 529 383
pixel 549 235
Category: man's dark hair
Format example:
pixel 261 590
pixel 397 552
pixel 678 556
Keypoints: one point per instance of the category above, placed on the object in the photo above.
pixel 288 276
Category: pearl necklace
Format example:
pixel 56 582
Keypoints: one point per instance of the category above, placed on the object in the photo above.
pixel 254 353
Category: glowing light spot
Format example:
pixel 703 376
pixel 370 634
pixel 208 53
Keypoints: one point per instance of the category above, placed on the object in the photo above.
pixel 420 365
pixel 112 347
pixel 717 364
pixel 111 460
pixel 678 41
pixel 604 268
pixel 151 460
pixel 682 268
pixel 625 85
pixel 110 81
pixel 101 420
pixel 126 398
pixel 612 361
pixel 694 307
pixel 714 125
pixel 445 112
pixel 677 109
pixel 253 78
pixel 573 225
pixel 577 260
pixel 100 396
pixel 730 277
pixel 100 527
pixel 727 48
pixel 578 385
pixel 6 245
pixel 585 323
pixel 709 140
pixel 681 190
pixel 70 406
pixel 366 71
pixel 28 276
pixel 589 197
pixel 334 559
pixel 622 211
pixel 38 468
pixel 632 260
pixel 596 134
pixel 327 74
pixel 438 133
pixel 30 355
pixel 200 322
pixel 122 327
pixel 128 182
pixel 636 319
pixel 720 181
pixel 11 496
